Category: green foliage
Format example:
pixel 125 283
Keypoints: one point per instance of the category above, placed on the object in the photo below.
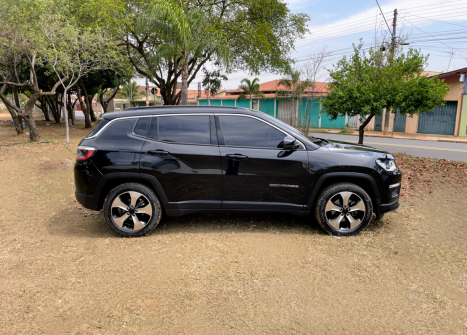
pixel 250 89
pixel 213 80
pixel 163 36
pixel 364 84
pixel 130 91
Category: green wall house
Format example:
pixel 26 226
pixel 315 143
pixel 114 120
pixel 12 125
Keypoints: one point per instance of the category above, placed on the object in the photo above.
pixel 283 109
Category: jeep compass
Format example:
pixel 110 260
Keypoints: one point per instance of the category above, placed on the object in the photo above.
pixel 142 163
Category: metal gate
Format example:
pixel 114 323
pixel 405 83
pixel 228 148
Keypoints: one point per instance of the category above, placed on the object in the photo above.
pixel 379 122
pixel 286 111
pixel 353 121
pixel 442 120
pixel 399 122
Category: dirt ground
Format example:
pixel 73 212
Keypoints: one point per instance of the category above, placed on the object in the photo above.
pixel 63 271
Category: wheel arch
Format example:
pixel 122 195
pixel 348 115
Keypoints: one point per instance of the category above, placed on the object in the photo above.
pixel 365 181
pixel 109 181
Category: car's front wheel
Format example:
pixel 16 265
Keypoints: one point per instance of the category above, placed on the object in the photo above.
pixel 132 210
pixel 343 209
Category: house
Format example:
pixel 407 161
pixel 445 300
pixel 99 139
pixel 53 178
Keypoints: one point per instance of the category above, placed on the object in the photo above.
pixel 450 119
pixel 286 109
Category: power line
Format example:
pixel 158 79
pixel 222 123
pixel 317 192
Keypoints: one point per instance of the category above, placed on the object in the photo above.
pixel 435 4
pixel 383 16
pixel 434 18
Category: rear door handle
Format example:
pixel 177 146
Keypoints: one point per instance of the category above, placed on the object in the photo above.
pixel 158 152
pixel 236 157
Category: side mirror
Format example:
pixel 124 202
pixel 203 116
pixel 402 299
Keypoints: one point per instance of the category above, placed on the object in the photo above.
pixel 289 143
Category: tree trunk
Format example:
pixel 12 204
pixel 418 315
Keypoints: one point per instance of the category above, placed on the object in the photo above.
pixel 91 110
pixel 69 108
pixel 184 93
pixel 53 107
pixel 103 104
pixel 20 119
pixel 361 129
pixel 16 120
pixel 67 136
pixel 84 108
pixel 88 102
pixel 29 118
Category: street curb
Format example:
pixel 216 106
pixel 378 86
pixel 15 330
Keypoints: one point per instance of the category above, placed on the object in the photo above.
pixel 434 139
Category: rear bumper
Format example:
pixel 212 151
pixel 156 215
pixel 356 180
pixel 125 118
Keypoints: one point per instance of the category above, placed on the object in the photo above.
pixel 87 201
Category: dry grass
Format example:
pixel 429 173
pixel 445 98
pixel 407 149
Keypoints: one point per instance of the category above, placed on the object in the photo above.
pixel 62 270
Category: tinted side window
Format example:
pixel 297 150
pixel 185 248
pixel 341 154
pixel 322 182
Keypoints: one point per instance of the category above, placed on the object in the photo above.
pixel 142 126
pixel 184 129
pixel 117 131
pixel 99 127
pixel 241 131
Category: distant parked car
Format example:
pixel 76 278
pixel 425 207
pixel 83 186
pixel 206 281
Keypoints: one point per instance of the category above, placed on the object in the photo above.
pixel 143 162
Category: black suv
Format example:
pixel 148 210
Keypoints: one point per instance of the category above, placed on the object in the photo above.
pixel 179 160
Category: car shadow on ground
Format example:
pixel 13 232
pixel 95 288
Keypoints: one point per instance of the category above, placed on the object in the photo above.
pixel 92 224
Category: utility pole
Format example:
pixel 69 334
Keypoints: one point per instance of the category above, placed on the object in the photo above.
pixel 147 92
pixel 387 114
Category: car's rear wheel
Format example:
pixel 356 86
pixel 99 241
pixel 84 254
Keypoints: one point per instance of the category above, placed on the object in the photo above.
pixel 132 210
pixel 343 209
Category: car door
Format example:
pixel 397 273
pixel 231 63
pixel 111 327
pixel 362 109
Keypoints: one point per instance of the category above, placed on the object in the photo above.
pixel 257 172
pixel 183 155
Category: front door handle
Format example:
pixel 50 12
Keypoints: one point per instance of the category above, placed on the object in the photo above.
pixel 236 157
pixel 158 152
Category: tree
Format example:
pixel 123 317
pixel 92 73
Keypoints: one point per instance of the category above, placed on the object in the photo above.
pixel 74 52
pixel 110 82
pixel 212 81
pixel 226 23
pixel 129 91
pixel 364 84
pixel 295 89
pixel 250 90
pixel 311 70
pixel 21 37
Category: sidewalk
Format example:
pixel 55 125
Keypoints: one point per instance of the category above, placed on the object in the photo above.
pixel 405 136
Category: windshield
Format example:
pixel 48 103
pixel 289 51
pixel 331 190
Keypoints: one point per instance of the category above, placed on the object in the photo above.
pixel 290 128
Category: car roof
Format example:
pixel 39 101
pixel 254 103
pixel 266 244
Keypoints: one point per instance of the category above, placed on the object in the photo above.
pixel 144 111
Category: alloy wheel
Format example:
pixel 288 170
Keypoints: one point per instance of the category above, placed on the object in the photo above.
pixel 131 211
pixel 345 211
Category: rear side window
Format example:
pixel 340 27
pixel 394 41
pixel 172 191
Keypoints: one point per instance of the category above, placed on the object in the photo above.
pixel 99 127
pixel 184 129
pixel 142 126
pixel 116 131
pixel 241 131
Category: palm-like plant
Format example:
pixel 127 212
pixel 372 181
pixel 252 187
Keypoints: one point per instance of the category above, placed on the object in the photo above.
pixel 250 90
pixel 130 91
pixel 294 89
pixel 189 34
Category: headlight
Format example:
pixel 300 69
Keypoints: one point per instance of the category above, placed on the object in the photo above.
pixel 387 164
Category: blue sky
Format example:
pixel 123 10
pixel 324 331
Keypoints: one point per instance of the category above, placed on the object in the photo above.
pixel 438 27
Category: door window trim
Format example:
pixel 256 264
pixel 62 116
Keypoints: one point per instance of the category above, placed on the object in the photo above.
pixel 259 119
pixel 303 147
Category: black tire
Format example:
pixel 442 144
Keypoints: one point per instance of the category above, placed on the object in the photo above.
pixel 331 196
pixel 112 214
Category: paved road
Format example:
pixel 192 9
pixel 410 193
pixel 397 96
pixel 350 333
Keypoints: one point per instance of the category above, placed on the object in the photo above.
pixel 432 149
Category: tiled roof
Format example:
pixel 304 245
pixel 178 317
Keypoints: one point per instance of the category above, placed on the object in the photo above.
pixel 450 74
pixel 268 96
pixel 273 86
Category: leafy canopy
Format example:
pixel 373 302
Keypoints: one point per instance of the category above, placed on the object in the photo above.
pixel 364 84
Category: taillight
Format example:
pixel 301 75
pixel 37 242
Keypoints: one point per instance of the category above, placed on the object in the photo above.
pixel 84 153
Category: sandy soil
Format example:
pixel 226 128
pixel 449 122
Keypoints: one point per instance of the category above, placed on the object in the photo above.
pixel 63 271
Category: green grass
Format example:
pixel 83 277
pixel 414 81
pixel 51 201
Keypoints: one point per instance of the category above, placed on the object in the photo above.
pixel 318 131
pixel 346 132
